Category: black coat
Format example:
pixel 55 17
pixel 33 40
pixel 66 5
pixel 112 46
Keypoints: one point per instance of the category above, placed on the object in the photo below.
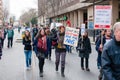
pixel 86 48
pixel 111 60
pixel 27 44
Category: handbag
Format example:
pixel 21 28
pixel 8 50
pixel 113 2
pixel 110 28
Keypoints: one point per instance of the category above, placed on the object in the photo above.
pixel 82 50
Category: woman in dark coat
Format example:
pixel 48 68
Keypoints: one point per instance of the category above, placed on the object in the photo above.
pixel 41 45
pixel 84 50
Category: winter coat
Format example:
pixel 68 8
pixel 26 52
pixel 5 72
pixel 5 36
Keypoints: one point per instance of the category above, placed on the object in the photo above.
pixel 35 31
pixel 0 47
pixel 39 52
pixel 85 50
pixel 49 42
pixel 111 60
pixel 60 43
pixel 99 42
pixel 10 33
pixel 27 44
pixel 54 37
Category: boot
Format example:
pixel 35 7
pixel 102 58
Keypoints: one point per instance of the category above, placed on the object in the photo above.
pixel 56 67
pixel 62 72
pixel 41 74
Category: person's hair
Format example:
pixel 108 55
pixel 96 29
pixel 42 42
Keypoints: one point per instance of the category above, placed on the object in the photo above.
pixel 86 32
pixel 62 27
pixel 27 37
pixel 48 32
pixel 39 33
pixel 116 25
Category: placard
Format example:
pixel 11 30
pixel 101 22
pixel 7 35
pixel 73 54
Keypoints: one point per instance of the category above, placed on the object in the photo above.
pixel 71 36
pixel 102 17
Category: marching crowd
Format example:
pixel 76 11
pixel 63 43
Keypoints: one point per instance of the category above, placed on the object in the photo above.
pixel 43 40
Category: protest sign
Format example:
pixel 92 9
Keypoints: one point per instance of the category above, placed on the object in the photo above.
pixel 102 19
pixel 71 36
pixel 82 29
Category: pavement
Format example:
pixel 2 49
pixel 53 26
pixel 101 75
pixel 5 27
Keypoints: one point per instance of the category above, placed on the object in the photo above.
pixel 12 65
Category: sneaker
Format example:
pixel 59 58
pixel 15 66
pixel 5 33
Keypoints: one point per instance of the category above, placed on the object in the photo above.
pixel 41 74
pixel 28 68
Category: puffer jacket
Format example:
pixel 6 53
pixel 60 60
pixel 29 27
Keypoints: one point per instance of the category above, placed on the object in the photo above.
pixel 111 60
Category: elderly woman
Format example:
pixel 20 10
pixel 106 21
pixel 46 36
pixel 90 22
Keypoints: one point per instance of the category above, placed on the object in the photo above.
pixel 111 56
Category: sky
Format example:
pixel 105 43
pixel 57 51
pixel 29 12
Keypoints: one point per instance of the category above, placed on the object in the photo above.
pixel 18 6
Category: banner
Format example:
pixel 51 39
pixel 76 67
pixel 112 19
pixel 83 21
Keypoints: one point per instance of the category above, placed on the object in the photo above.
pixel 102 19
pixel 71 36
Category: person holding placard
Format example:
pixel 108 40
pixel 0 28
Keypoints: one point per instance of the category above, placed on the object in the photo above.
pixel 60 50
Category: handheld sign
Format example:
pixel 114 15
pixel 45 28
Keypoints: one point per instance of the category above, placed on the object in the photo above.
pixel 71 36
pixel 102 19
pixel 82 29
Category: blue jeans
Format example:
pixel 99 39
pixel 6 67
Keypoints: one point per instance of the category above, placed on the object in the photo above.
pixel 28 54
pixel 99 59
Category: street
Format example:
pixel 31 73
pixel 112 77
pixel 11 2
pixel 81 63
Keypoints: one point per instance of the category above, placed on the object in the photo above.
pixel 12 65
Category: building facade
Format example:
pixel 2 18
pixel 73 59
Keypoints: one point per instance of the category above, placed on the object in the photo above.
pixel 6 8
pixel 1 13
pixel 81 11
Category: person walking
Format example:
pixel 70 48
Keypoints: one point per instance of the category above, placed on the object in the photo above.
pixel 10 33
pixel 0 45
pixel 2 36
pixel 41 45
pixel 60 51
pixel 19 28
pixel 84 48
pixel 102 34
pixel 49 43
pixel 27 49
pixel 99 47
pixel 34 32
pixel 111 56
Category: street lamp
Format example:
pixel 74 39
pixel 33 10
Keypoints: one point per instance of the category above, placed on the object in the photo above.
pixel 93 21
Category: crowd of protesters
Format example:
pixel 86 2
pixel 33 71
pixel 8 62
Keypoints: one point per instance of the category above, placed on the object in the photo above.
pixel 43 40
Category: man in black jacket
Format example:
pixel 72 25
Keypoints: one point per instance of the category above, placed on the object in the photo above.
pixel 111 56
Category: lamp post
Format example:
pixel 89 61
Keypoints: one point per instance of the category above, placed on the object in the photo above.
pixel 93 21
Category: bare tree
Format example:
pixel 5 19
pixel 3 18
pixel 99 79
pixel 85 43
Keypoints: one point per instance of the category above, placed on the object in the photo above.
pixel 55 6
pixel 27 16
pixel 5 13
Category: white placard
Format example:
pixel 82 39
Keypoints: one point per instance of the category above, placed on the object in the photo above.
pixel 71 36
pixel 102 19
pixel 82 29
